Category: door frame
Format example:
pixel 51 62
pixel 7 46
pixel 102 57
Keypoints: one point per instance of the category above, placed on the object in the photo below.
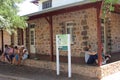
pixel 32 29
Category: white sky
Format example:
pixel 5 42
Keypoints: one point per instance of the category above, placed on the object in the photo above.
pixel 27 7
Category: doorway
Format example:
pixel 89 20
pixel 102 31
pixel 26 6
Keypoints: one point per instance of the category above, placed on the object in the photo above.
pixel 32 41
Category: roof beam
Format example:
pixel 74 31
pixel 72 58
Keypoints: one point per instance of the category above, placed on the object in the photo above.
pixel 66 10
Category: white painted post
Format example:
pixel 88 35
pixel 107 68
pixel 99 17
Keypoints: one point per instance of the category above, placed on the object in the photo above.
pixel 69 57
pixel 57 57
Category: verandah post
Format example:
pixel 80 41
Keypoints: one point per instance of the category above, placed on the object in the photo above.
pixel 99 34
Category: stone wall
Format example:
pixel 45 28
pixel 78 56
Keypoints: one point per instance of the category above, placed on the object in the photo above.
pixel 42 36
pixel 91 71
pixel 115 32
pixel 85 23
pixel 7 38
pixel 109 69
pixel 15 39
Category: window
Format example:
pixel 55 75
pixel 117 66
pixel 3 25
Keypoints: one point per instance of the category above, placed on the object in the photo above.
pixel 69 29
pixel 32 37
pixel 47 4
pixel 20 36
pixel 32 33
pixel 32 25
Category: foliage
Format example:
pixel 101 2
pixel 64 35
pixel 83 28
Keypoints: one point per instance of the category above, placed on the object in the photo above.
pixel 107 6
pixel 9 20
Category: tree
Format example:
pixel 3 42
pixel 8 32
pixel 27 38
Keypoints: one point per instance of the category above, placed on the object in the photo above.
pixel 9 20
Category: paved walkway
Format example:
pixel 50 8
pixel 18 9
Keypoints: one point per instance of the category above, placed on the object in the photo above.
pixel 12 72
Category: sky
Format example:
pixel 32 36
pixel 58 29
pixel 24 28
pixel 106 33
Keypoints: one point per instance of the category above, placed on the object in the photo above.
pixel 27 7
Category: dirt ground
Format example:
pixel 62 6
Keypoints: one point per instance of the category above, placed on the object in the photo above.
pixel 31 73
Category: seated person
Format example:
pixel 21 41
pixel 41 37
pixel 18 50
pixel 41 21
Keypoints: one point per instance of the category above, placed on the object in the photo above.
pixel 11 53
pixel 90 56
pixel 25 54
pixel 105 57
pixel 5 55
pixel 16 59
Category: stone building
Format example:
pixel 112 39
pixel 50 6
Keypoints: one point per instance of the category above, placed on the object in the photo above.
pixel 82 20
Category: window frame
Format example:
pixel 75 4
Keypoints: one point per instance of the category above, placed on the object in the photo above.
pixel 47 4
pixel 70 27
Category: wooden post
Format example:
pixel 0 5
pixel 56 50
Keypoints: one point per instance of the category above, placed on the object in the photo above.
pixel 51 33
pixel 51 36
pixel 99 36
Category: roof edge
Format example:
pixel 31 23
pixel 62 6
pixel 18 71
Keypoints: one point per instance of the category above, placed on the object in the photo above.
pixel 60 7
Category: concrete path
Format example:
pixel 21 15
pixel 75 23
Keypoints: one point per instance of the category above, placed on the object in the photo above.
pixel 12 72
